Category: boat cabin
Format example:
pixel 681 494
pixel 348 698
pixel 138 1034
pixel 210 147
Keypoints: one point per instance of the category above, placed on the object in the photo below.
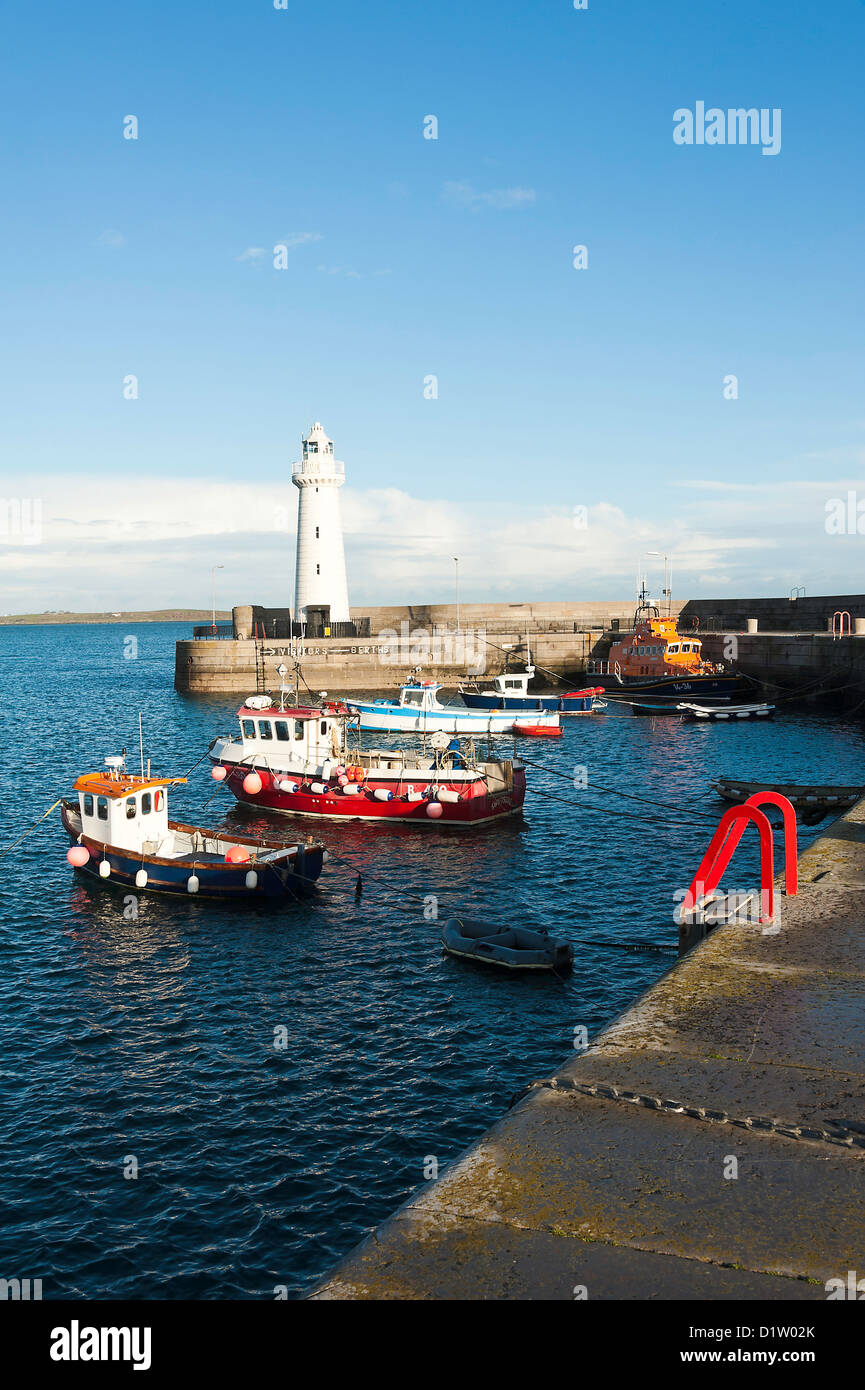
pixel 305 734
pixel 513 682
pixel 125 811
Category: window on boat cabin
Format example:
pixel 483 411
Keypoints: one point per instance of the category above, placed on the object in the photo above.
pixel 102 807
pixel 671 651
pixel 88 805
pixel 318 569
pixel 512 685
pixel 324 726
pixel 248 726
pixel 145 803
pixel 316 533
pixel 414 697
pixel 282 733
pixel 131 809
pixel 264 729
pixel 298 728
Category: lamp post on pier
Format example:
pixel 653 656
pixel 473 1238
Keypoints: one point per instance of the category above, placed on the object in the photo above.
pixel 213 570
pixel 457 583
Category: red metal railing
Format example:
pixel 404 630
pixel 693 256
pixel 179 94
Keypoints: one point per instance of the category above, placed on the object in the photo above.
pixel 724 842
pixel 842 628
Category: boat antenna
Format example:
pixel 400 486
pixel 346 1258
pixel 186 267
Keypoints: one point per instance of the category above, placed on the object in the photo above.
pixel 141 744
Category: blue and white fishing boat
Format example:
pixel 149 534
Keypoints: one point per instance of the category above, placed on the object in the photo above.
pixel 419 711
pixel 120 833
pixel 510 691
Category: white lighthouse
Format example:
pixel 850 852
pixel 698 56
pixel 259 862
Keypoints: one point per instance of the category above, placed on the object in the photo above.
pixel 320 574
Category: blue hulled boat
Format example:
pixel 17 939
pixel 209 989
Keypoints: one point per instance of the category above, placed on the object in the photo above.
pixel 510 691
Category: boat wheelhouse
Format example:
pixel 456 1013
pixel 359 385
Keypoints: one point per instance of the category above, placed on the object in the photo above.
pixel 298 761
pixel 119 832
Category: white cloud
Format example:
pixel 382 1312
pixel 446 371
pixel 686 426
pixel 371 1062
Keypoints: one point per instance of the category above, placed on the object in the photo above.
pixel 111 238
pixel 502 199
pixel 299 239
pixel 109 544
pixel 252 253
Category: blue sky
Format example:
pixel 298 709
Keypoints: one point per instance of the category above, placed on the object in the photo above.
pixel 557 388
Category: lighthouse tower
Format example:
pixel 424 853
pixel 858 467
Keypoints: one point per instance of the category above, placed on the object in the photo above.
pixel 320 574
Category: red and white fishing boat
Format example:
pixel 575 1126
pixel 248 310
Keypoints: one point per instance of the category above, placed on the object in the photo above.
pixel 297 760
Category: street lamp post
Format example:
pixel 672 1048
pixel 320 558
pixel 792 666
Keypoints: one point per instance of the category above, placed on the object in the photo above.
pixel 213 570
pixel 457 582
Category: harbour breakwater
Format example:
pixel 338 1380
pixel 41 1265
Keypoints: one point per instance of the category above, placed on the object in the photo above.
pixel 707 1145
pixel 391 643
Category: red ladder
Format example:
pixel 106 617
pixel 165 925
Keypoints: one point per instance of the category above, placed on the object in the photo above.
pixel 724 842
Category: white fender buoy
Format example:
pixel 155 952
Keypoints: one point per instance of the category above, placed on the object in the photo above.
pixel 434 810
pixel 414 796
pixel 192 883
pixel 289 787
pixel 78 856
pixel 446 794
pixel 317 787
pixel 325 856
pixel 252 879
pixel 351 789
pixel 252 783
pixel 382 794
pixel 218 773
pixel 141 878
pixel 104 868
pixel 326 770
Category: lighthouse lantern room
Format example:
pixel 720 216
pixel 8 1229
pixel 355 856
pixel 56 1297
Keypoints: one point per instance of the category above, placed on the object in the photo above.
pixel 320 575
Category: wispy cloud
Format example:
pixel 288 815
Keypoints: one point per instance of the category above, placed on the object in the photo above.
pixel 111 238
pixel 344 270
pixel 502 199
pixel 299 239
pixel 252 253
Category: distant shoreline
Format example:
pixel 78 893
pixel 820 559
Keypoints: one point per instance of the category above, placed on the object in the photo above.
pixel 166 615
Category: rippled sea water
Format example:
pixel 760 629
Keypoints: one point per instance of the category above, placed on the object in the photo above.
pixel 153 1039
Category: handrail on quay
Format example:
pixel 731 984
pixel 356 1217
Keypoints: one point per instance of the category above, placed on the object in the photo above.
pixel 725 840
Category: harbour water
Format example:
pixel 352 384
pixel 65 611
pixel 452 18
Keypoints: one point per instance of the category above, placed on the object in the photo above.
pixel 142 1037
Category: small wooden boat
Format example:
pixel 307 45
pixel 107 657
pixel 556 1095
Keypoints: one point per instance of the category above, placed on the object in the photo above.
pixel 120 833
pixel 511 948
pixel 726 712
pixel 804 796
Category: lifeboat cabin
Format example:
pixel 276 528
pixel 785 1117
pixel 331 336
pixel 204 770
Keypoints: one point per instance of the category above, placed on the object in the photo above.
pixel 655 658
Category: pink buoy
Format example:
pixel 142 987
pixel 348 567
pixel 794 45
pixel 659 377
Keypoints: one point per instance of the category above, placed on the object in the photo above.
pixel 342 780
pixel 252 783
pixel 434 810
pixel 218 774
pixel 78 856
pixel 237 855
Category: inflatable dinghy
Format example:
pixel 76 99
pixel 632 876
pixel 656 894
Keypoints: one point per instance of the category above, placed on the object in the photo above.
pixel 513 948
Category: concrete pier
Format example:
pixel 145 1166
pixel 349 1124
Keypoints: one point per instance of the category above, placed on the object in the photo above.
pixel 443 643
pixel 708 1145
